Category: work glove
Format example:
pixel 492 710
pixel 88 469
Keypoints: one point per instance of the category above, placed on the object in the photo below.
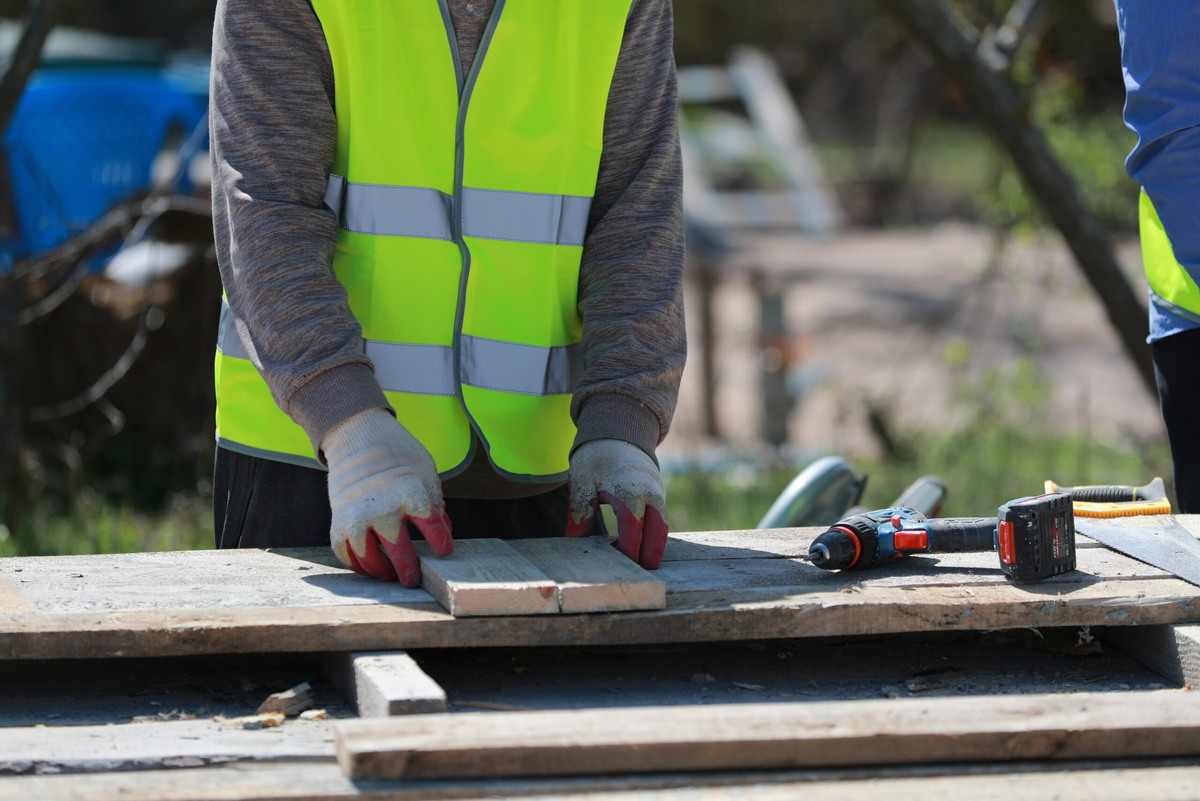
pixel 381 481
pixel 619 474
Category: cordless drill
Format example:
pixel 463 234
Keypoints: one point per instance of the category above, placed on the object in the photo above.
pixel 1035 537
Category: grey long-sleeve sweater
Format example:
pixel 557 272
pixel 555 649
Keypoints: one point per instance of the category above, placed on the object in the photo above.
pixel 273 127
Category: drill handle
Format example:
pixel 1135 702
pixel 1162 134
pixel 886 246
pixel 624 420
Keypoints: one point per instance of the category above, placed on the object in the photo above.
pixel 962 534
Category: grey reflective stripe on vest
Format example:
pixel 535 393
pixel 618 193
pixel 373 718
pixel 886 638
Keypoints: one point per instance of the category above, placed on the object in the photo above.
pixel 525 217
pixel 526 369
pixel 429 369
pixel 228 341
pixel 1174 308
pixel 487 213
pixel 417 369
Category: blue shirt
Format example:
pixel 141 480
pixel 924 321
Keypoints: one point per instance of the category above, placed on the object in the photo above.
pixel 1160 61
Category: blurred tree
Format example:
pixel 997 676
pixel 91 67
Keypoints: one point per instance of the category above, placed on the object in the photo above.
pixel 180 23
pixel 40 20
pixel 981 60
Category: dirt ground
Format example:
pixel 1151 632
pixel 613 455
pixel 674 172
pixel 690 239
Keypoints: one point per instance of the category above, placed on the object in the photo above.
pixel 905 321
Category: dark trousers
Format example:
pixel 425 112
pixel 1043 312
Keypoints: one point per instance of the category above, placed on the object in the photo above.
pixel 260 503
pixel 1177 371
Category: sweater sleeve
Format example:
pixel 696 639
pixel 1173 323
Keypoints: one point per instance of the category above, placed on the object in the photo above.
pixel 630 285
pixel 272 142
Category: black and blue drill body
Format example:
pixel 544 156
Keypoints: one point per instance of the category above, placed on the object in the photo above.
pixel 1035 537
pixel 872 538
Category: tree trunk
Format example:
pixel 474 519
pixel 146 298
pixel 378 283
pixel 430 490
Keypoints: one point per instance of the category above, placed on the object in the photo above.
pixel 997 101
pixel 38 23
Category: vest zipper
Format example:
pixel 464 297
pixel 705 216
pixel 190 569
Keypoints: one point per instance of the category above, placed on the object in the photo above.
pixel 465 87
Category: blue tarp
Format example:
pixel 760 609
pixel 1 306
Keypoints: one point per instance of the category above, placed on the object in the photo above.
pixel 85 138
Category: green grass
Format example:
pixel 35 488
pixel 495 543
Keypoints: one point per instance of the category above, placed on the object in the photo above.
pixel 982 469
pixel 100 525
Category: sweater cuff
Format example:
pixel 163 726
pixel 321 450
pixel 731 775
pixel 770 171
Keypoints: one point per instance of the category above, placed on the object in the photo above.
pixel 618 417
pixel 332 396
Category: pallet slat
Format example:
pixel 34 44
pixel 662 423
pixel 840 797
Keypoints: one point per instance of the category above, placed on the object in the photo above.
pixel 384 683
pixel 771 736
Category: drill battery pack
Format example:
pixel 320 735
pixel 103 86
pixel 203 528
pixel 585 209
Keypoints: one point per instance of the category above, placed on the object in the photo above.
pixel 1036 536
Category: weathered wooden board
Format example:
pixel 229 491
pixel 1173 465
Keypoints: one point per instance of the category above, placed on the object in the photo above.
pixel 537 577
pixel 309 781
pixel 592 576
pixel 176 743
pixel 486 577
pixel 384 683
pixel 772 736
pixel 733 586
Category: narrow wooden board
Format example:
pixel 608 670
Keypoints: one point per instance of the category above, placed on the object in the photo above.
pixel 486 577
pixel 592 576
pixel 384 683
pixel 307 781
pixel 772 736
pixel 176 743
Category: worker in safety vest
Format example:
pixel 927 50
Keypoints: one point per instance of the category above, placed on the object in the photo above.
pixel 450 238
pixel 1161 66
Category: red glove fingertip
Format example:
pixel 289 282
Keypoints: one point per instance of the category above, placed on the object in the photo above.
pixel 437 531
pixel 654 539
pixel 374 562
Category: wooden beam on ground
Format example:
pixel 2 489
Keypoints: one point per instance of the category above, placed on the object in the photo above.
pixel 308 781
pixel 772 736
pixel 168 744
pixel 1171 651
pixel 592 576
pixel 384 683
pixel 486 577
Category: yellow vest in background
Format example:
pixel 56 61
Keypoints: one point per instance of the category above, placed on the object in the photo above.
pixel 462 205
pixel 1170 283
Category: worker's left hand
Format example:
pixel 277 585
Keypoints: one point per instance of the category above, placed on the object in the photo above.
pixel 621 475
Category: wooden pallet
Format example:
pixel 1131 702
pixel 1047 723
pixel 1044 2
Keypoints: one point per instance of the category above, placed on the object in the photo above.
pixel 720 587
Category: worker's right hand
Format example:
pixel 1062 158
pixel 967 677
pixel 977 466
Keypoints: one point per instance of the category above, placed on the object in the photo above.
pixel 381 481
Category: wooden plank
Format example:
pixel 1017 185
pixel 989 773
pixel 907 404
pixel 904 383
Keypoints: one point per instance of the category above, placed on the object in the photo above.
pixel 772 736
pixel 592 576
pixel 205 602
pixel 384 683
pixel 717 615
pixel 312 577
pixel 176 743
pixel 1171 651
pixel 205 579
pixel 486 577
pixel 323 780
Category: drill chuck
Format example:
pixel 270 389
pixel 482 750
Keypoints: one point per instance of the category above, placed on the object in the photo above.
pixel 849 544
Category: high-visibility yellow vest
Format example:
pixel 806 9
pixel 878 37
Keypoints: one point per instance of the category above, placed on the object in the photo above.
pixel 462 204
pixel 1171 285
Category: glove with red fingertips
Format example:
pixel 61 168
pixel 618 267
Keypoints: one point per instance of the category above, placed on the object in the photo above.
pixel 381 482
pixel 614 472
